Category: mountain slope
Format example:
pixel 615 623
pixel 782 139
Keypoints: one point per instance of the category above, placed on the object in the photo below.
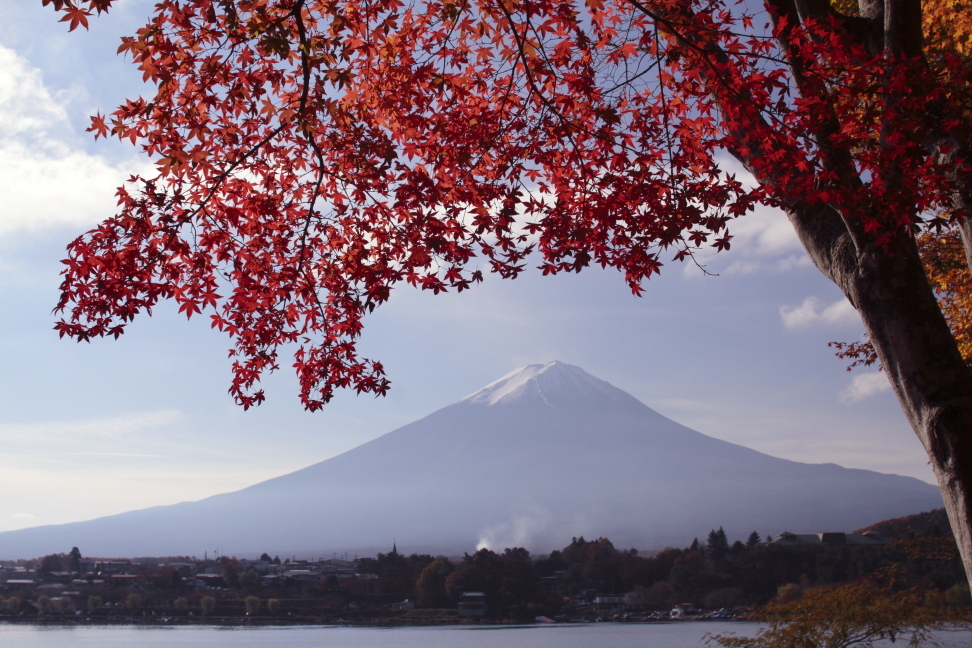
pixel 543 454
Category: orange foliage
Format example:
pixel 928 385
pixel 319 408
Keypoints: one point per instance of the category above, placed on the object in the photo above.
pixel 948 273
pixel 855 614
pixel 948 27
pixel 948 31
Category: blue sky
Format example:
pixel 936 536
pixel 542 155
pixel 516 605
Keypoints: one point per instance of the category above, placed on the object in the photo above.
pixel 95 429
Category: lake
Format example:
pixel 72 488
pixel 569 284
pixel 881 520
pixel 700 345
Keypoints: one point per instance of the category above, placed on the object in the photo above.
pixel 595 635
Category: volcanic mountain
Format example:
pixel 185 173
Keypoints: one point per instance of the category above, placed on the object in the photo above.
pixel 543 454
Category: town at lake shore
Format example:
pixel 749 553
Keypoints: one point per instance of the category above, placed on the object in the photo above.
pixel 587 580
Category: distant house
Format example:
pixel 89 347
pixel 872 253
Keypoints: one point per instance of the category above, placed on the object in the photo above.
pixel 303 575
pixel 684 611
pixel 603 603
pixel 260 566
pixel 59 576
pixel 114 567
pixel 88 565
pixel 787 539
pixel 472 604
pixel 184 569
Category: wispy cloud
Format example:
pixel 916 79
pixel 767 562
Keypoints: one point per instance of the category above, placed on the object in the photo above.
pixel 865 385
pixel 794 261
pixel 114 427
pixel 23 516
pixel 812 313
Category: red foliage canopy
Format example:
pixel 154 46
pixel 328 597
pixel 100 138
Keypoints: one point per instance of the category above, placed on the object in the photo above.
pixel 312 154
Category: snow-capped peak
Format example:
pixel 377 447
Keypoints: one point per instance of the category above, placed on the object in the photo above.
pixel 547 383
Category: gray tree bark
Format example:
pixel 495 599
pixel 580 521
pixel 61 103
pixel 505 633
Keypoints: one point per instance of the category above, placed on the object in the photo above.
pixel 889 289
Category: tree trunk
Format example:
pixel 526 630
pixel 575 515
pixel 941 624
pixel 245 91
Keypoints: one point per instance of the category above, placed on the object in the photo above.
pixel 914 344
pixel 886 284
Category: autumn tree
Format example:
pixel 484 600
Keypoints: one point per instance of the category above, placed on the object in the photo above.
pixel 12 605
pixel 431 584
pixel 207 605
pixel 252 605
pixel 856 614
pixel 94 603
pixel 231 569
pixel 133 602
pixel 312 155
pixel 250 580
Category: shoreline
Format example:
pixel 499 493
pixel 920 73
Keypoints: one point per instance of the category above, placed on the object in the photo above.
pixel 230 622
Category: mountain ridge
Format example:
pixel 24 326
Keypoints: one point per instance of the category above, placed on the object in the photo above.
pixel 544 453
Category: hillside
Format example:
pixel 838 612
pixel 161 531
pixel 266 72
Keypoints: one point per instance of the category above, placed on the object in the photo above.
pixel 929 523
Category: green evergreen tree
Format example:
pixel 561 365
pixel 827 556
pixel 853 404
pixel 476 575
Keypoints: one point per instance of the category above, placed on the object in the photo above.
pixel 717 544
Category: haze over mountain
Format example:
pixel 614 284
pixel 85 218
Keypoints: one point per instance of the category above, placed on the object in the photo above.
pixel 543 454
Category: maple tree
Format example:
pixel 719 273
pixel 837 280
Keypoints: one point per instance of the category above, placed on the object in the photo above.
pixel 872 609
pixel 312 154
pixel 947 29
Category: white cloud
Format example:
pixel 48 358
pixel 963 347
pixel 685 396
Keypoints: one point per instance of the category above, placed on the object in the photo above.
pixel 794 261
pixel 742 267
pixel 45 182
pixel 865 385
pixel 23 516
pixel 811 313
pixel 765 232
pixel 84 431
pixel 762 240
pixel 27 106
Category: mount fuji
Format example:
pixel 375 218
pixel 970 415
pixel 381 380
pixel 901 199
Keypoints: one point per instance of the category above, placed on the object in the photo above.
pixel 543 454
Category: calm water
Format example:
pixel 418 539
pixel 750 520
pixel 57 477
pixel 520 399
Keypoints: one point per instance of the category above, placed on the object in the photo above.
pixel 600 635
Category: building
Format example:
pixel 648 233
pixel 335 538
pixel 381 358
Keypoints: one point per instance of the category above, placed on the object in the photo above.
pixel 472 604
pixel 604 603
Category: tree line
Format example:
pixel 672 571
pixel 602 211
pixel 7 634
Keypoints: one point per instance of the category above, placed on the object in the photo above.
pixel 711 573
